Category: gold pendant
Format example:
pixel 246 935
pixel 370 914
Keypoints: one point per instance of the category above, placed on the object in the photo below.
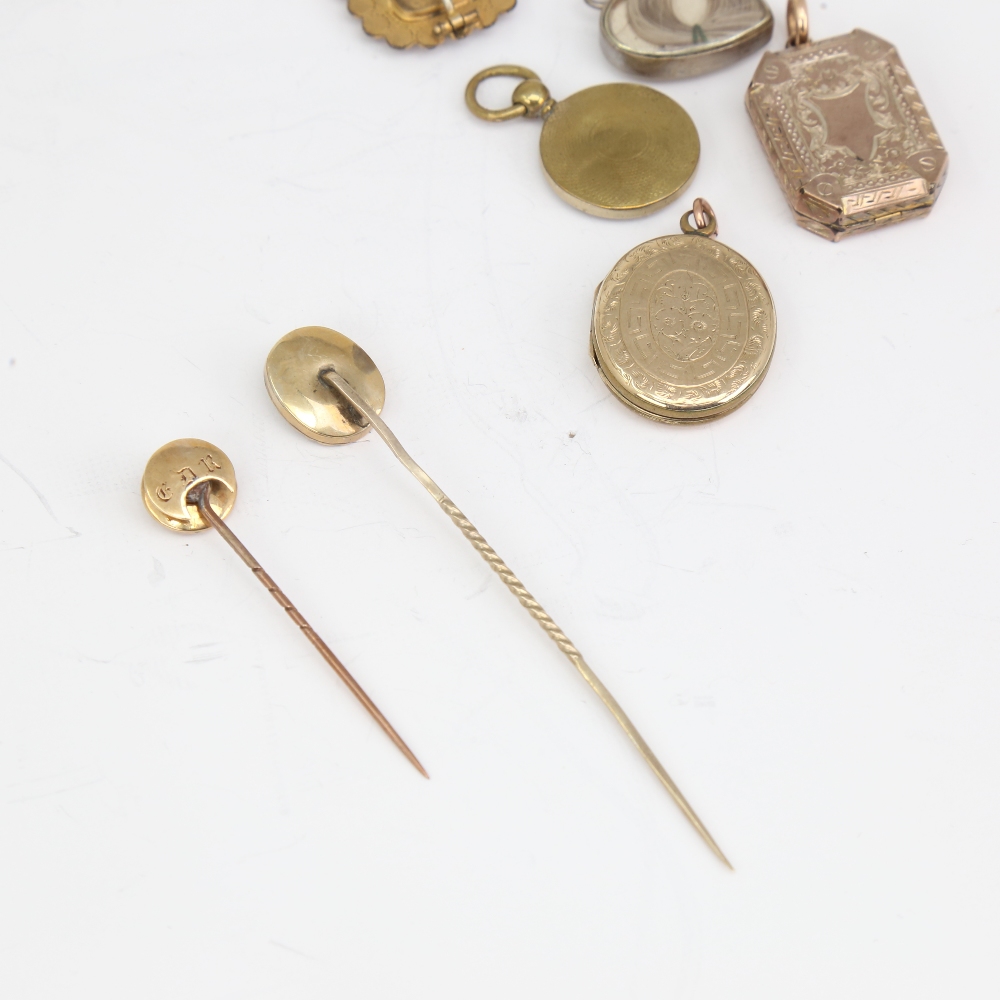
pixel 845 130
pixel 683 326
pixel 403 23
pixel 672 39
pixel 618 150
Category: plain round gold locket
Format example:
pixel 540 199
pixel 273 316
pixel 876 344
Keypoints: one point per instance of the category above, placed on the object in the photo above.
pixel 617 150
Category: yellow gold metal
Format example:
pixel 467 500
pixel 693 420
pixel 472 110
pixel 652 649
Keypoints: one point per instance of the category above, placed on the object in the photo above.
pixel 618 150
pixel 683 326
pixel 174 470
pixel 672 39
pixel 187 502
pixel 403 23
pixel 845 130
pixel 307 403
pixel 534 97
pixel 339 381
pixel 531 98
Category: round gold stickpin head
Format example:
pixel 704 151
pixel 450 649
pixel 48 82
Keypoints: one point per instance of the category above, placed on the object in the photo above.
pixel 683 326
pixel 175 470
pixel 617 150
pixel 293 375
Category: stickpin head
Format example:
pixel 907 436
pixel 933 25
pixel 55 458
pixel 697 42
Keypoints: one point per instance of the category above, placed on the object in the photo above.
pixel 174 470
pixel 292 375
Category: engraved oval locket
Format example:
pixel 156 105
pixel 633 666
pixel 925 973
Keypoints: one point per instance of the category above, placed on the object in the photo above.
pixel 683 326
pixel 672 39
pixel 847 135
pixel 618 150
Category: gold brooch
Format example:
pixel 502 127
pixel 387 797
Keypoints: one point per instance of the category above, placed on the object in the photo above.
pixel 403 23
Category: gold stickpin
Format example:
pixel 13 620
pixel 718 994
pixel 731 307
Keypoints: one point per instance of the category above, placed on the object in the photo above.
pixel 328 388
pixel 189 485
pixel 618 150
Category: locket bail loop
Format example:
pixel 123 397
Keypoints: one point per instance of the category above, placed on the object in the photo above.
pixel 798 23
pixel 531 98
pixel 703 218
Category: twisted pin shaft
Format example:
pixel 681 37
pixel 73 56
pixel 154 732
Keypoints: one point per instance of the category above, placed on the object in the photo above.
pixel 201 496
pixel 523 595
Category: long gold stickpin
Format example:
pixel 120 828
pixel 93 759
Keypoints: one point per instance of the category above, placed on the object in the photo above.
pixel 328 388
pixel 189 485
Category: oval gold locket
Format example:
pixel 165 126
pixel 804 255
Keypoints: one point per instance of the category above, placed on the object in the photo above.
pixel 617 150
pixel 683 326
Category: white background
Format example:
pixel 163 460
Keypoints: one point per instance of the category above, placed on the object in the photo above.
pixel 798 604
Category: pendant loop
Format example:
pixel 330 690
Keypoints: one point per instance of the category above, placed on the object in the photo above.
pixel 531 98
pixel 798 23
pixel 703 217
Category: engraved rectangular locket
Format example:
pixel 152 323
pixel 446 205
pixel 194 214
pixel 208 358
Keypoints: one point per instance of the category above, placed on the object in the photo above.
pixel 848 137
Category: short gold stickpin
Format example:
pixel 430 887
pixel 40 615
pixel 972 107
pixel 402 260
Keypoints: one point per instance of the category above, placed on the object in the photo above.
pixel 189 485
pixel 326 386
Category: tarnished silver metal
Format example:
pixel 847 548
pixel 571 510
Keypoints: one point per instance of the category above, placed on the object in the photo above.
pixel 671 39
pixel 847 134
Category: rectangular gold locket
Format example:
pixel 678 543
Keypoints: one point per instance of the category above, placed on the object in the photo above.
pixel 848 137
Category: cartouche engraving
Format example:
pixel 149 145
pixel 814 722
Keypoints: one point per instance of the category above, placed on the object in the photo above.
pixel 846 133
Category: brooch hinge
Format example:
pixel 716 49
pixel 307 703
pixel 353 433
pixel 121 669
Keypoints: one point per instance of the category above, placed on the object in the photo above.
pixel 455 23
